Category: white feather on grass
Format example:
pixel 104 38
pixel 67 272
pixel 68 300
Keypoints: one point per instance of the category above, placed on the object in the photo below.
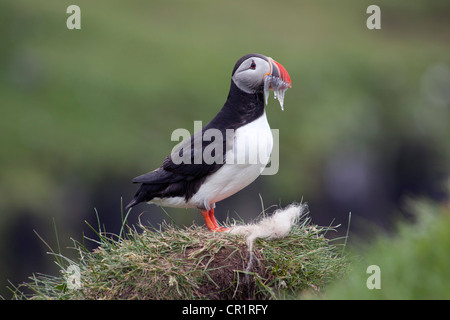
pixel 276 226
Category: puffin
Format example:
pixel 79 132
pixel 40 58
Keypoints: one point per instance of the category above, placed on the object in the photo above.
pixel 220 159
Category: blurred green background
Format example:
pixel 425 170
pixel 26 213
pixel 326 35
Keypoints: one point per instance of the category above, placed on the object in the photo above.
pixel 366 123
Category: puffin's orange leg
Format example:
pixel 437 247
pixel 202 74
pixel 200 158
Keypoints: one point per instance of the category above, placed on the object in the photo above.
pixel 212 218
pixel 211 222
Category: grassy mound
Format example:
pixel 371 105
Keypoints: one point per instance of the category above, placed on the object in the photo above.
pixel 192 263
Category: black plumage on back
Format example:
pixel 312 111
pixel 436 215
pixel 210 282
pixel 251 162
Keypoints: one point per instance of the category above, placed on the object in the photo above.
pixel 184 179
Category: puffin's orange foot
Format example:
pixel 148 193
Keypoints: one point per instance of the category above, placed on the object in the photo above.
pixel 222 229
pixel 211 222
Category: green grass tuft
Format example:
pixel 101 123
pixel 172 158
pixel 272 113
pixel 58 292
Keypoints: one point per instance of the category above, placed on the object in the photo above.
pixel 193 263
pixel 413 263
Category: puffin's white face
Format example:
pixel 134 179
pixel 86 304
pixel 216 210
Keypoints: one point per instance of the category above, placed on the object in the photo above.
pixel 249 76
pixel 257 73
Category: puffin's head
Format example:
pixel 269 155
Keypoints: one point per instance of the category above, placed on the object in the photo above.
pixel 254 73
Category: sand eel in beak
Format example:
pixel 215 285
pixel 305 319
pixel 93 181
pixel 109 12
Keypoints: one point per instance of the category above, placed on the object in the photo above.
pixel 278 80
pixel 225 165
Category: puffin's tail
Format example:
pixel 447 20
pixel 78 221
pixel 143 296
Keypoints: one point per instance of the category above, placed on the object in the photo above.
pixel 139 197
pixel 131 204
pixel 145 193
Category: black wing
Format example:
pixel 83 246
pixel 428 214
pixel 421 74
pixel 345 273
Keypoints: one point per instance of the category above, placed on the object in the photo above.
pixel 184 179
pixel 181 173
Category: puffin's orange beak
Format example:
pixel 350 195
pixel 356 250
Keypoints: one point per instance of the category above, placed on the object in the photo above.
pixel 279 71
pixel 278 80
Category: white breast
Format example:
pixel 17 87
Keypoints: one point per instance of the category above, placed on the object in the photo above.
pixel 251 151
pixel 244 163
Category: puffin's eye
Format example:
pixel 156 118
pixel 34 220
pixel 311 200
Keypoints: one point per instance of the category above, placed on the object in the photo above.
pixel 253 65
